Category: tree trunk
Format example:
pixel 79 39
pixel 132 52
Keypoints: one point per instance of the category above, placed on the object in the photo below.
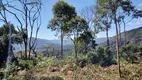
pixel 26 23
pixel 61 44
pixel 75 49
pixel 117 48
pixel 119 34
pixel 77 45
pixel 107 37
pixel 124 32
pixel 29 53
pixel 25 43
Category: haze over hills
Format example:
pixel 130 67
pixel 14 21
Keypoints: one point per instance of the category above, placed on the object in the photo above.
pixel 56 43
pixel 133 36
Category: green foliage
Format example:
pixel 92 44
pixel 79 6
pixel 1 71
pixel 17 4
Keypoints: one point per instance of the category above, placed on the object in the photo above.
pixel 70 59
pixel 10 70
pixel 93 58
pixel 3 51
pixel 78 25
pixel 83 58
pixel 42 61
pixel 105 56
pixel 4 30
pixel 25 64
pixel 63 10
pixel 102 56
pixel 87 42
pixel 130 53
pixel 63 13
pixel 46 62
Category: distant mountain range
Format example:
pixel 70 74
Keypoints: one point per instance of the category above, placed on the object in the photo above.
pixel 133 36
pixel 56 43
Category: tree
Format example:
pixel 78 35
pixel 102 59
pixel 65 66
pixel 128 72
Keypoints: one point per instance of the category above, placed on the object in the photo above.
pixel 113 6
pixel 88 14
pixel 78 26
pixel 119 28
pixel 29 11
pixel 103 20
pixel 6 33
pixel 4 42
pixel 63 13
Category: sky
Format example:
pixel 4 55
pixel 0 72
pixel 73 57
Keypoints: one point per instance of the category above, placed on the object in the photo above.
pixel 46 15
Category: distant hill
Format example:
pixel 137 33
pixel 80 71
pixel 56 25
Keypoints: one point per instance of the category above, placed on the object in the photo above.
pixel 44 42
pixel 100 40
pixel 133 36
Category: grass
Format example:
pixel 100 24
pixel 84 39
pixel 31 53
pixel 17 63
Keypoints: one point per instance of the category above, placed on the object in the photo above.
pixel 52 69
pixel 70 71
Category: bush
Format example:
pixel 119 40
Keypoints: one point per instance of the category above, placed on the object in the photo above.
pixel 102 56
pixel 93 58
pixel 28 64
pixel 69 59
pixel 46 62
pixel 130 53
pixel 105 56
pixel 82 61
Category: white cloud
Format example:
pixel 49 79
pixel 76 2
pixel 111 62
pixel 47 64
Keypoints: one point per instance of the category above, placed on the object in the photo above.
pixel 139 23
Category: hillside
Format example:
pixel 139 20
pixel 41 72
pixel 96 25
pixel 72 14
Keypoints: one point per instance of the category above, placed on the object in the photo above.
pixel 133 36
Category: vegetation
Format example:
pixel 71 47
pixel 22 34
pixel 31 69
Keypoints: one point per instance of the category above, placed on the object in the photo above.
pixel 63 13
pixel 121 58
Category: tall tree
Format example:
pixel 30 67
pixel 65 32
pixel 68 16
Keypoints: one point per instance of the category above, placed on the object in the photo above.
pixel 113 6
pixel 78 25
pixel 124 25
pixel 103 19
pixel 63 13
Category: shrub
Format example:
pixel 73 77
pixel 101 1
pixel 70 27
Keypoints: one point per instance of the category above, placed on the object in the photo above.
pixel 102 56
pixel 93 58
pixel 69 59
pixel 49 61
pixel 129 53
pixel 28 64
pixel 82 61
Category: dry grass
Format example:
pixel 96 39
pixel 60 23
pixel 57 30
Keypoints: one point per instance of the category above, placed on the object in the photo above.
pixel 91 72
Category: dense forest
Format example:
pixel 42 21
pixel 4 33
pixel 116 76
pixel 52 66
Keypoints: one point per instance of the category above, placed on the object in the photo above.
pixel 79 54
